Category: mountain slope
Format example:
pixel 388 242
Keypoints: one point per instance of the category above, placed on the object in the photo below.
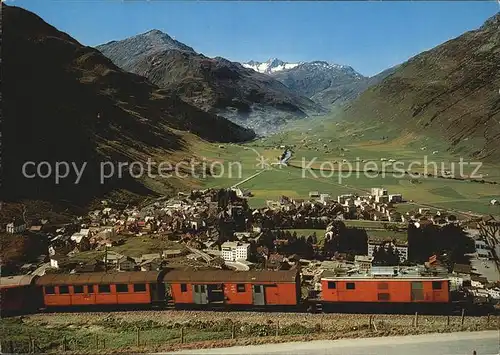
pixel 311 78
pixel 212 84
pixel 449 92
pixel 349 87
pixel 64 102
pixel 325 83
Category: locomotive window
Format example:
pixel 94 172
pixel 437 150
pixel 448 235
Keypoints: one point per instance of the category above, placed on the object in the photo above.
pixel 240 287
pixel 383 286
pixel 184 288
pixel 121 288
pixel 332 285
pixel 436 285
pixel 350 286
pixel 384 296
pixel 50 290
pixel 78 289
pixel 139 287
pixel 90 288
pixel 63 290
pixel 104 289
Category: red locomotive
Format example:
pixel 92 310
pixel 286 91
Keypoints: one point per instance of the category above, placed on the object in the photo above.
pixel 396 293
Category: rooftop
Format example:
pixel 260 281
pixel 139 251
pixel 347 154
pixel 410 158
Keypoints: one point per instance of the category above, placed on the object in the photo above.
pixel 382 272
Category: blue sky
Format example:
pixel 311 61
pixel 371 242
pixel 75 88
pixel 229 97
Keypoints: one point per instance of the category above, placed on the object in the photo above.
pixel 369 36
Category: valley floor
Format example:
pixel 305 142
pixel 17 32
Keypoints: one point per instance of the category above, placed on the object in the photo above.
pixel 315 155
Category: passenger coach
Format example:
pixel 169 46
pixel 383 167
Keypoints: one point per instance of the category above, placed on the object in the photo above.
pixel 225 287
pixel 118 288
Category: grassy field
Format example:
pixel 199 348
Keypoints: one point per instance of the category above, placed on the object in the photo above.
pixel 155 331
pixel 327 141
pixel 372 234
pixel 384 235
pixel 307 232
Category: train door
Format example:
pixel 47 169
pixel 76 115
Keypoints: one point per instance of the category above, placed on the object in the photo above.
pixel 417 291
pixel 200 294
pixel 153 288
pixel 216 293
pixel 157 292
pixel 259 295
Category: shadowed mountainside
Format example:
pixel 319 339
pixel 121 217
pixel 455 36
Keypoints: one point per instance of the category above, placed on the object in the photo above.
pixel 65 102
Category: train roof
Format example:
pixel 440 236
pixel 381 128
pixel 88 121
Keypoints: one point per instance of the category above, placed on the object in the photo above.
pixel 224 276
pixel 16 281
pixel 394 273
pixel 99 278
pixel 400 278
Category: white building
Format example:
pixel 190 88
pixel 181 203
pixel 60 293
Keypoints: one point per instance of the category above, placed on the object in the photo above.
pixel 382 198
pixel 342 198
pixel 314 194
pixel 16 226
pixel 83 233
pixel 232 251
pixel 482 249
pixel 378 191
pixel 324 198
pixel 397 198
pixel 402 250
pixel 54 263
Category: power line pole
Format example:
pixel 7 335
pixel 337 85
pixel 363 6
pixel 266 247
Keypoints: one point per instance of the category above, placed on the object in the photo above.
pixel 105 258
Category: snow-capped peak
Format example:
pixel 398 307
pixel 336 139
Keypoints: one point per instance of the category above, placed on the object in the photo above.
pixel 275 65
pixel 271 66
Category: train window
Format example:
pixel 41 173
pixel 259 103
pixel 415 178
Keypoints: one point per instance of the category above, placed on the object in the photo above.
pixel 332 285
pixel 90 288
pixel 436 285
pixel 63 290
pixel 121 288
pixel 50 290
pixel 184 288
pixel 78 289
pixel 240 287
pixel 383 286
pixel 384 296
pixel 350 286
pixel 104 289
pixel 139 287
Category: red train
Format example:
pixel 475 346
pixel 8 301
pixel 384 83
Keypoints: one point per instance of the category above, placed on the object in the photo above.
pixel 19 294
pixel 390 293
pixel 212 288
pixel 251 288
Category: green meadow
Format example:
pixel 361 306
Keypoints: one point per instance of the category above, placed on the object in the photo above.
pixel 337 145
